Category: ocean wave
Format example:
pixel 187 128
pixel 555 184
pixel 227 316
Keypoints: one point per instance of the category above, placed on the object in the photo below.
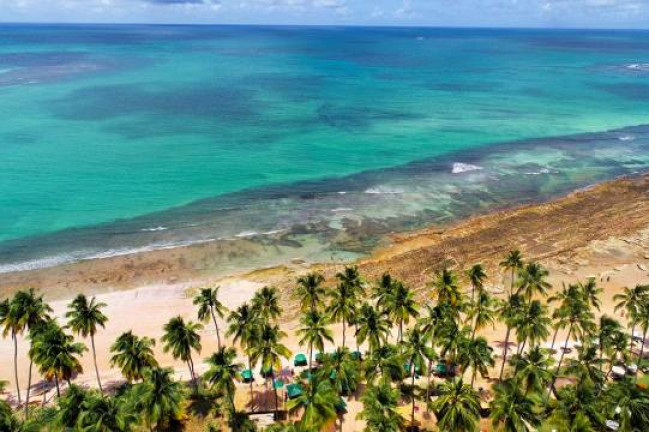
pixel 158 228
pixel 244 234
pixel 638 67
pixel 626 138
pixel 541 171
pixel 459 167
pixel 341 209
pixel 384 190
pixel 37 264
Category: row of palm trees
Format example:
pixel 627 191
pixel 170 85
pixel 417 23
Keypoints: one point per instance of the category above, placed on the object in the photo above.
pixel 444 332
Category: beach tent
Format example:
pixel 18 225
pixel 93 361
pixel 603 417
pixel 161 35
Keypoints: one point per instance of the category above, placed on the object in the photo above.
pixel 441 369
pixel 278 384
pixel 300 360
pixel 293 390
pixel 247 375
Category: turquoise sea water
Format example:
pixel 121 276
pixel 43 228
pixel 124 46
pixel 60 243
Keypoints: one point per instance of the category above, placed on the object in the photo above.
pixel 122 138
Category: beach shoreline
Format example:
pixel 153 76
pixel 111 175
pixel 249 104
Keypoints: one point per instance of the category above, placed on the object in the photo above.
pixel 601 231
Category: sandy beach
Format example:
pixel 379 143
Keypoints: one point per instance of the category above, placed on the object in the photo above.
pixel 600 232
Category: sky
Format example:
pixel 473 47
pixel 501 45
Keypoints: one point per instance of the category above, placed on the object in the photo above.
pixel 451 13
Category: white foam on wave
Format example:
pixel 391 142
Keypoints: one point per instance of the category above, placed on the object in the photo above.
pixel 244 234
pixel 154 229
pixel 341 209
pixel 383 190
pixel 641 67
pixel 459 167
pixel 541 171
pixel 626 138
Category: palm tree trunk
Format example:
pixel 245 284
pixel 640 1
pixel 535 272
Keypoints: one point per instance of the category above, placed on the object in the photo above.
pixel 511 286
pixel 94 359
pixel 430 367
pixel 252 397
pixel 644 336
pixel 554 338
pixel 191 373
pixel 412 421
pixel 563 353
pixel 56 383
pixel 14 337
pixel 216 326
pixel 502 368
pixel 310 356
pixel 473 376
pixel 344 326
pixel 276 404
pixel 400 329
pixel 29 384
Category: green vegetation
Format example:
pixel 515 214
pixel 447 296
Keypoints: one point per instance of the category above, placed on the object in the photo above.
pixel 418 353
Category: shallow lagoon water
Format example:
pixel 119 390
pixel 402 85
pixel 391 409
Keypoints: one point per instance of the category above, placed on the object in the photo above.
pixel 116 139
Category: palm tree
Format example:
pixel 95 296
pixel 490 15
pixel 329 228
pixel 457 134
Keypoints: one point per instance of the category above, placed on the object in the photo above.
pixel 342 370
pixel 401 306
pixel 457 408
pixel 342 307
pixel 70 407
pixel 586 366
pixel 446 288
pixel 533 325
pixel 533 369
pixel 607 329
pixel 514 263
pixel 478 355
pixel 482 312
pixel 351 277
pixel 244 326
pixel 310 291
pixel 133 355
pixel 641 319
pixel 509 312
pixel 83 318
pixel 511 410
pixel 181 338
pixel 56 354
pixel 631 402
pixel 387 361
pixel 380 404
pixel 240 421
pixel 318 402
pixel 223 371
pixel 25 311
pixel 269 351
pixel 314 332
pixel 477 276
pixel 631 299
pixel 100 414
pixel 373 326
pixel 591 292
pixel 383 290
pixel 579 318
pixel 158 399
pixel 619 346
pixel 532 281
pixel 417 353
pixel 265 303
pixel 578 408
pixel 209 306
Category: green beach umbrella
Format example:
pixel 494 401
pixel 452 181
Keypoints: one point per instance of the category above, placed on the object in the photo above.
pixel 300 360
pixel 246 375
pixel 293 390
